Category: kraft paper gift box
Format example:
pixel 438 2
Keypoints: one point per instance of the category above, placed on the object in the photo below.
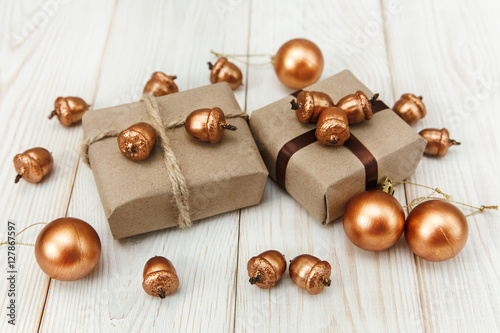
pixel 321 178
pixel 137 197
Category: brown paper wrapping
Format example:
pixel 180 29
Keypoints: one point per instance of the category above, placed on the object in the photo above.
pixel 322 179
pixel 137 196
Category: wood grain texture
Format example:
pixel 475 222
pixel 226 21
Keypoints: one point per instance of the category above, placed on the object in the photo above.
pixel 447 51
pixel 41 59
pixel 160 38
pixel 370 291
pixel 449 54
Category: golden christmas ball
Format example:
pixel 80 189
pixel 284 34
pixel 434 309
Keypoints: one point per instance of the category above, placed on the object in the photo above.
pixel 373 220
pixel 436 230
pixel 298 63
pixel 67 249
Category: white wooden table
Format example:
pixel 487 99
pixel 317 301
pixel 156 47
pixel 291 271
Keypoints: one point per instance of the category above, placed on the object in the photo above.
pixel 104 52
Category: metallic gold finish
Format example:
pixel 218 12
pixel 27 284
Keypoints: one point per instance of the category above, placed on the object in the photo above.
pixel 69 110
pixel 333 127
pixel 225 71
pixel 310 104
pixel 159 277
pixel 436 230
pixel 373 220
pixel 266 269
pixel 137 141
pixel 161 84
pixel 33 164
pixel 410 108
pixel 67 249
pixel 310 273
pixel 386 186
pixel 438 141
pixel 357 107
pixel 207 125
pixel 298 63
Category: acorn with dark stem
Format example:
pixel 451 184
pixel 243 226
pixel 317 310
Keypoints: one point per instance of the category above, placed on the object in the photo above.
pixel 410 108
pixel 438 141
pixel 310 273
pixel 33 165
pixel 161 84
pixel 266 269
pixel 310 104
pixel 333 127
pixel 225 71
pixel 207 125
pixel 159 277
pixel 137 141
pixel 69 110
pixel 357 106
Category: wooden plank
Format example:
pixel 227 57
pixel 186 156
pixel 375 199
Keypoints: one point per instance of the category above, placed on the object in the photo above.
pixel 370 291
pixel 41 51
pixel 449 54
pixel 162 37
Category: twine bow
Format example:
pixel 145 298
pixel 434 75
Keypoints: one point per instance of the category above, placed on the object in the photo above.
pixel 174 173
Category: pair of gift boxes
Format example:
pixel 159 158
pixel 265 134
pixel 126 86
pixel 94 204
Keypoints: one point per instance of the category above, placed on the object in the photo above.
pixel 138 197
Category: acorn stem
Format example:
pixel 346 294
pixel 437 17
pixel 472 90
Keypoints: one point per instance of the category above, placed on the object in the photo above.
pixel 173 77
pixel 161 293
pixel 52 114
pixel 295 105
pixel 255 279
pixel 374 98
pixel 210 65
pixel 421 98
pixel 18 178
pixel 455 143
pixel 334 140
pixel 326 282
pixel 229 127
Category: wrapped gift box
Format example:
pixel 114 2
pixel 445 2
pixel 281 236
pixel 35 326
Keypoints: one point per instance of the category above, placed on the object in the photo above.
pixel 322 179
pixel 137 197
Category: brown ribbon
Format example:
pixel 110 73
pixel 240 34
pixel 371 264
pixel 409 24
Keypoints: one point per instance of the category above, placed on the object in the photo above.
pixel 353 144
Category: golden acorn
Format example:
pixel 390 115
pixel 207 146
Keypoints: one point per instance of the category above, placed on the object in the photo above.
pixel 438 141
pixel 33 164
pixel 310 273
pixel 69 110
pixel 159 277
pixel 266 269
pixel 225 71
pixel 357 107
pixel 137 141
pixel 333 127
pixel 310 104
pixel 410 108
pixel 207 125
pixel 161 84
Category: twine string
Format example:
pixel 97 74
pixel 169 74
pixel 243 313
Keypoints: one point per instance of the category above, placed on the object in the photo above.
pixel 445 197
pixel 237 57
pixel 20 232
pixel 174 173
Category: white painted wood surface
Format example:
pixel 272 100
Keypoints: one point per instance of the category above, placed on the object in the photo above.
pixel 447 51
